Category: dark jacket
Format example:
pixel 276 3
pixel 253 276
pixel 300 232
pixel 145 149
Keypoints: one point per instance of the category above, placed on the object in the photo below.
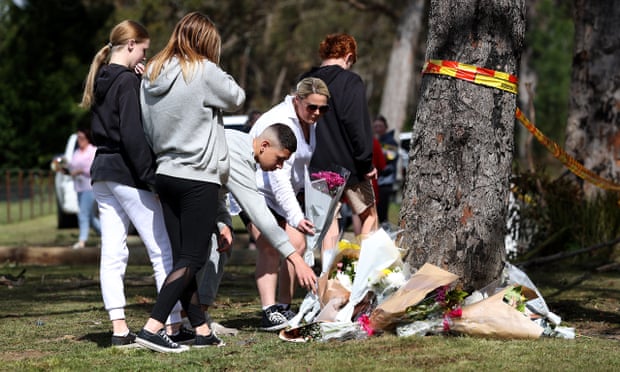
pixel 123 155
pixel 387 176
pixel 344 134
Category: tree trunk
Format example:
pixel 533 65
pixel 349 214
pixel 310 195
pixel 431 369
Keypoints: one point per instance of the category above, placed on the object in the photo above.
pixel 592 132
pixel 399 77
pixel 455 200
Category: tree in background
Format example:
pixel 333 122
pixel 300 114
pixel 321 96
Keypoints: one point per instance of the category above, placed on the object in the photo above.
pixel 546 67
pixel 44 49
pixel 455 199
pixel 593 130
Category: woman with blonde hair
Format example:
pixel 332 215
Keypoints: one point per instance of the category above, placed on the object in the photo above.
pixel 183 95
pixel 281 189
pixel 123 170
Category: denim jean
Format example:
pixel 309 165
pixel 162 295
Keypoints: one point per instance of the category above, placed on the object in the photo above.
pixel 86 214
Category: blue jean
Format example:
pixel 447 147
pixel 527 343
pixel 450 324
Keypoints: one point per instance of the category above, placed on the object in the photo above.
pixel 86 214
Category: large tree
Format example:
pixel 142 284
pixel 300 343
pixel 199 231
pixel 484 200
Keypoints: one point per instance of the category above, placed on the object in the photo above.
pixel 593 129
pixel 455 199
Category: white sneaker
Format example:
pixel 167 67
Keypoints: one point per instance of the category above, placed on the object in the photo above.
pixel 79 245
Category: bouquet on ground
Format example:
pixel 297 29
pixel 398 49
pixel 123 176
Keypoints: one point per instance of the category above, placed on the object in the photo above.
pixel 378 252
pixel 393 311
pixel 502 315
pixel 322 192
pixel 336 281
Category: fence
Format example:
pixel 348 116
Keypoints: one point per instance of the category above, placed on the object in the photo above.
pixel 26 194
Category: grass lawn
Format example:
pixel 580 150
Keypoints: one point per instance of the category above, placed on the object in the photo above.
pixel 55 321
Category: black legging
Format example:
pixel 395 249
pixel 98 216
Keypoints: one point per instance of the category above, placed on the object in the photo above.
pixel 190 211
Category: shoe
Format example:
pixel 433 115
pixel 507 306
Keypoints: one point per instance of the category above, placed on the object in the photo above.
pixel 286 311
pixel 184 336
pixel 273 320
pixel 159 342
pixel 210 340
pixel 124 341
pixel 79 245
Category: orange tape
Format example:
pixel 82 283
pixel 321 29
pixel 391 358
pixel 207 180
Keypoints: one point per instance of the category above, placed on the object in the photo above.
pixel 508 82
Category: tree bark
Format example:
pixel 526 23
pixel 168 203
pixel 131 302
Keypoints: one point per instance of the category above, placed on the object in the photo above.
pixel 592 132
pixel 455 200
pixel 399 77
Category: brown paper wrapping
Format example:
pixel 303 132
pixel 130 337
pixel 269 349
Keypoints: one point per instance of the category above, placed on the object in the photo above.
pixel 330 289
pixel 493 318
pixel 428 278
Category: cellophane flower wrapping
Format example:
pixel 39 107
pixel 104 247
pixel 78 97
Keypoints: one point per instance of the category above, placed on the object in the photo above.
pixel 322 192
pixel 339 264
pixel 377 253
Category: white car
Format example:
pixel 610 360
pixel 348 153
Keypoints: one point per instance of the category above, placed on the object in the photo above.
pixel 66 197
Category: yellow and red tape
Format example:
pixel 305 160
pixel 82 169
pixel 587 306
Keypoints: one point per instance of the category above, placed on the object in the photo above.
pixel 507 82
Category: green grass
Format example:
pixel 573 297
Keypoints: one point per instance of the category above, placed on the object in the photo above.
pixel 56 321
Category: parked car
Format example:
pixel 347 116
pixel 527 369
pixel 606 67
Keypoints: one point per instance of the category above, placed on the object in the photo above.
pixel 66 197
pixel 404 141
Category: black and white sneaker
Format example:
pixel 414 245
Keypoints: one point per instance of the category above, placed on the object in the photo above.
pixel 126 341
pixel 159 342
pixel 273 320
pixel 184 336
pixel 286 311
pixel 210 340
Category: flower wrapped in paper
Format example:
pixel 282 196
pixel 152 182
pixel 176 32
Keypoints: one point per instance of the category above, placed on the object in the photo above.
pixel 336 281
pixel 498 316
pixel 392 311
pixel 322 192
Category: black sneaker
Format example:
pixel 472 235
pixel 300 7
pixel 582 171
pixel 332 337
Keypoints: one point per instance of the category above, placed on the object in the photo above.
pixel 124 341
pixel 273 320
pixel 184 336
pixel 286 311
pixel 159 342
pixel 210 340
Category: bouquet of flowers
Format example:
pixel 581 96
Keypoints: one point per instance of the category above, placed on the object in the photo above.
pixel 377 253
pixel 322 191
pixel 387 282
pixel 393 311
pixel 336 281
pixel 499 316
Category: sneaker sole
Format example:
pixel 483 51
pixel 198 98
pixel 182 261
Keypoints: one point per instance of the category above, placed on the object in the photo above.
pixel 132 345
pixel 162 349
pixel 276 327
pixel 212 345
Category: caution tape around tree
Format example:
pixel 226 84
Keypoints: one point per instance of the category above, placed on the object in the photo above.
pixel 508 82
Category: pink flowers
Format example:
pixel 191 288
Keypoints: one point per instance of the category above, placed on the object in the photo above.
pixel 333 179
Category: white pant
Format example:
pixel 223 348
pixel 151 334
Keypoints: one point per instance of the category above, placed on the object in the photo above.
pixel 118 206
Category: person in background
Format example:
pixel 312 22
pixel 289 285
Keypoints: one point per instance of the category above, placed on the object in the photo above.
pixel 183 94
pixel 378 160
pixel 252 117
pixel 344 134
pixel 387 177
pixel 282 191
pixel 79 168
pixel 123 170
pixel 269 150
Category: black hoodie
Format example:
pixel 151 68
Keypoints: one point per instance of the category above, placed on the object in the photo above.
pixel 344 134
pixel 123 155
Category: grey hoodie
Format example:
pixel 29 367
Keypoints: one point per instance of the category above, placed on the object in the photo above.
pixel 242 184
pixel 182 120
